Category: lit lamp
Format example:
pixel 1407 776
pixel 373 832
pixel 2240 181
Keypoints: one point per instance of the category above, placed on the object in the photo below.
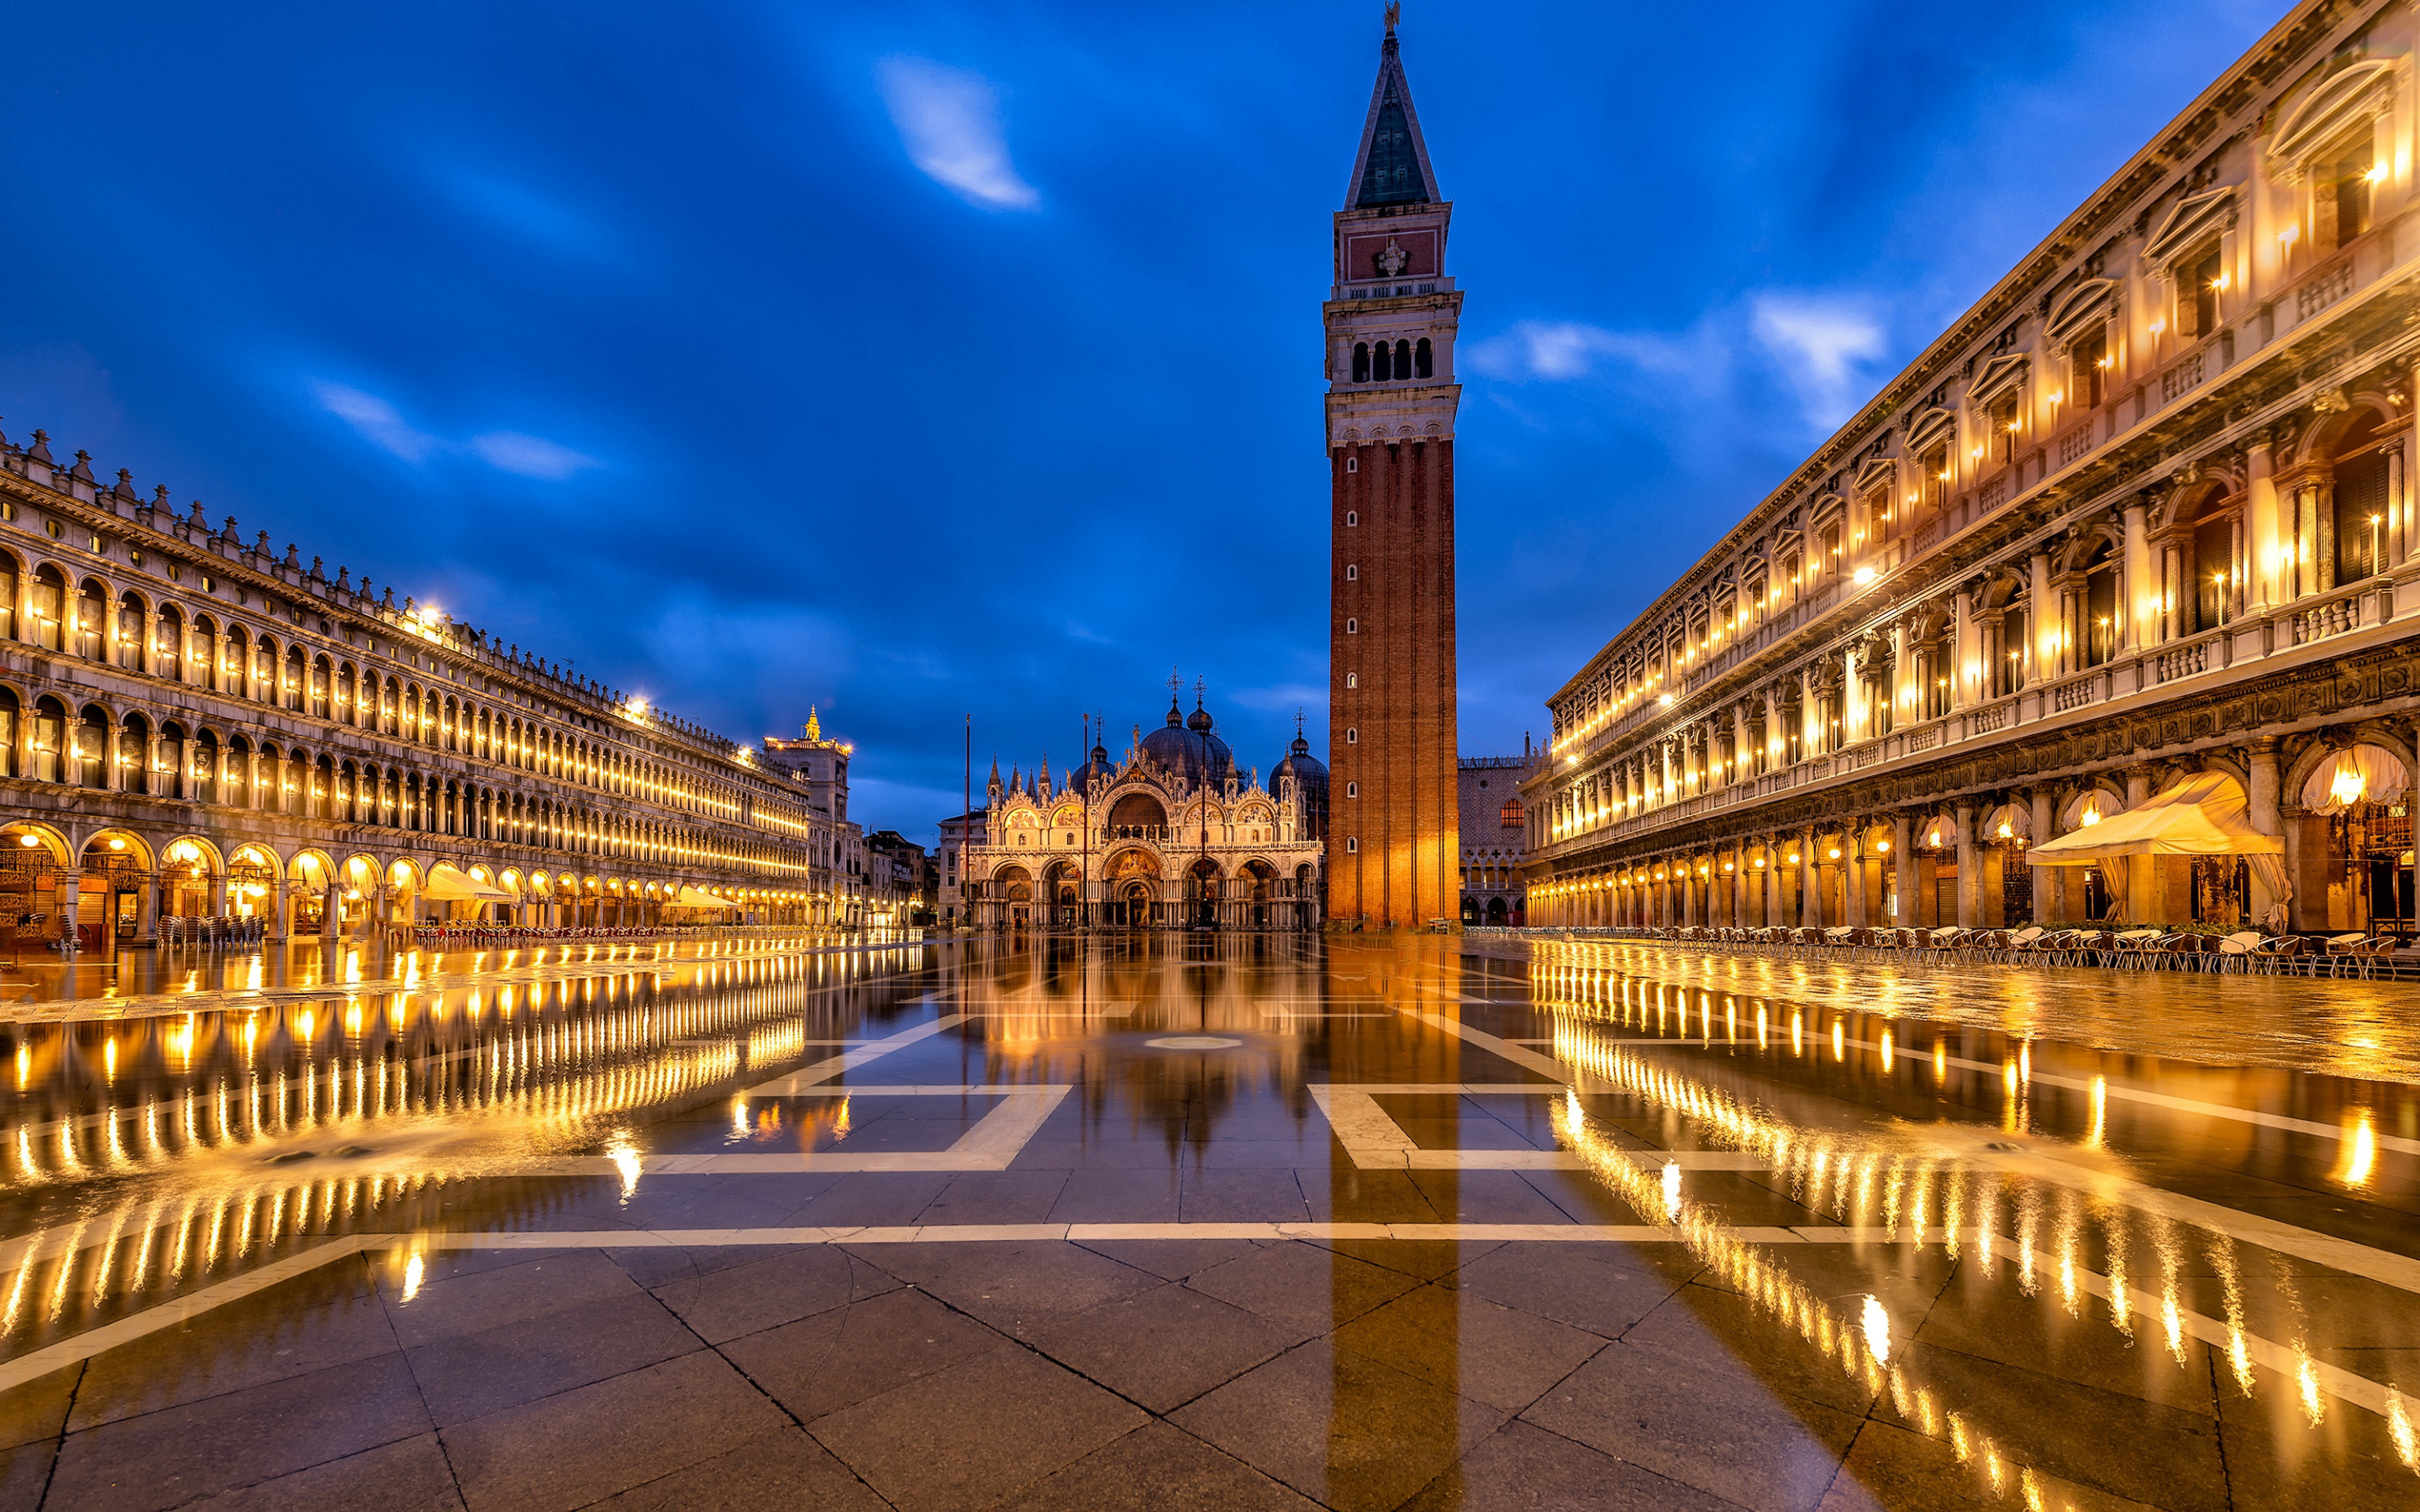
pixel 2347 789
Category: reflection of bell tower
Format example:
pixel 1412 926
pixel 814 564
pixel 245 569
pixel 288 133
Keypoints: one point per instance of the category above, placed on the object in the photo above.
pixel 1392 848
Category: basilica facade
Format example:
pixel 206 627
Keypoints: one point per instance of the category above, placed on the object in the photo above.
pixel 1172 836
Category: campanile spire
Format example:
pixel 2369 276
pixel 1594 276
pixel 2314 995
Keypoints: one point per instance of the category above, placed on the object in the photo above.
pixel 1390 316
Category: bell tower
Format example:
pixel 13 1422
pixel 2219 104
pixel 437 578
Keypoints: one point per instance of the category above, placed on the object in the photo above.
pixel 1393 847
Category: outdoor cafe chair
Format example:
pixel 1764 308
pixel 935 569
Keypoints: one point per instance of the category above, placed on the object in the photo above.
pixel 2341 954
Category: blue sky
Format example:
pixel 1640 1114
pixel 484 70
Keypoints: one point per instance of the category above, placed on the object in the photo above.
pixel 916 360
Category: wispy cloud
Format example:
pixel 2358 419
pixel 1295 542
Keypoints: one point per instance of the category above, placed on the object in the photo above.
pixel 379 422
pixel 1562 350
pixel 949 120
pixel 521 212
pixel 1821 345
pixel 531 457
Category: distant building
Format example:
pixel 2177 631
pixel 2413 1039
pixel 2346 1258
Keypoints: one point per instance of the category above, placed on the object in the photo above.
pixel 895 890
pixel 1494 831
pixel 836 858
pixel 957 833
pixel 1172 837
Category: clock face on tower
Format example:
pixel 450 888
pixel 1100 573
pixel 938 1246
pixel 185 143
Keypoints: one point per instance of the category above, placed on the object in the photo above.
pixel 1393 259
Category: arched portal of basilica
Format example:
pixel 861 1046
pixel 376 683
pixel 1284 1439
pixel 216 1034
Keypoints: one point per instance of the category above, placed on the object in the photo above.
pixel 1173 837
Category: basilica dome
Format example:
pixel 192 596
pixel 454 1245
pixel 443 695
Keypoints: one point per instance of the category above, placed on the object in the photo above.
pixel 1310 779
pixel 1189 749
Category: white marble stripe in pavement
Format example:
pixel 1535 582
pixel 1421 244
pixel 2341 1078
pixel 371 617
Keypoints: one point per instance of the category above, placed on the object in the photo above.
pixel 85 1346
pixel 938 1089
pixel 824 1070
pixel 2356 1390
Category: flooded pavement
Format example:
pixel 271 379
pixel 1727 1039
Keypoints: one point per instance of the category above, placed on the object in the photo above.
pixel 1212 1221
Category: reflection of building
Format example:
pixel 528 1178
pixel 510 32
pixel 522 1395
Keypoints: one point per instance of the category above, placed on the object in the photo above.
pixel 1392 398
pixel 190 724
pixel 2144 513
pixel 1172 837
pixel 1494 829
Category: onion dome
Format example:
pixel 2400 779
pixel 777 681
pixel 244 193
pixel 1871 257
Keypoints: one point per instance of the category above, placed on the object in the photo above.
pixel 1187 748
pixel 1094 774
pixel 1310 780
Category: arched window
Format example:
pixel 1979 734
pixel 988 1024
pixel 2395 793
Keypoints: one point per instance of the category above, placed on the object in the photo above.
pixel 49 740
pixel 1403 360
pixel 1360 362
pixel 349 708
pixel 297 678
pixel 130 632
pixel 1423 359
pixel 323 789
pixel 319 681
pixel 49 609
pixel 206 652
pixel 168 645
pixel 8 595
pixel 92 748
pixel 201 772
pixel 134 754
pixel 1381 363
pixel 91 627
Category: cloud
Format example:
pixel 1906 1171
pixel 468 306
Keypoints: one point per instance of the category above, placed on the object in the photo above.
pixel 949 120
pixel 379 422
pixel 381 425
pixel 1562 350
pixel 521 212
pixel 1282 698
pixel 1821 345
pixel 530 457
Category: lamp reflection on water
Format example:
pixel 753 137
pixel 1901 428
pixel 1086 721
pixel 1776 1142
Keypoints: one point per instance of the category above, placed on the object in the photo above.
pixel 1893 1177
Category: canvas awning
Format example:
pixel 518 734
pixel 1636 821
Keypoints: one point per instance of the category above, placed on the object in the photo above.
pixel 690 898
pixel 2203 815
pixel 446 881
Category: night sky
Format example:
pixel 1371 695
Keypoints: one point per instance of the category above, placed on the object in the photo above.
pixel 918 359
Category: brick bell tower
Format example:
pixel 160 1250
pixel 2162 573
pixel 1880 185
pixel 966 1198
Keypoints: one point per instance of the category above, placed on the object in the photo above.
pixel 1393 851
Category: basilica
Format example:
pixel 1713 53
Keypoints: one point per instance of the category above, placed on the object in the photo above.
pixel 1172 836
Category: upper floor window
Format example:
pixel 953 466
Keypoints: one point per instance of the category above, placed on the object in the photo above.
pixel 2088 364
pixel 2341 191
pixel 2005 426
pixel 2200 280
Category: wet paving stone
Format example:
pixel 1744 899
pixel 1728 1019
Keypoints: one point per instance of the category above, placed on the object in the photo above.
pixel 950 1230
